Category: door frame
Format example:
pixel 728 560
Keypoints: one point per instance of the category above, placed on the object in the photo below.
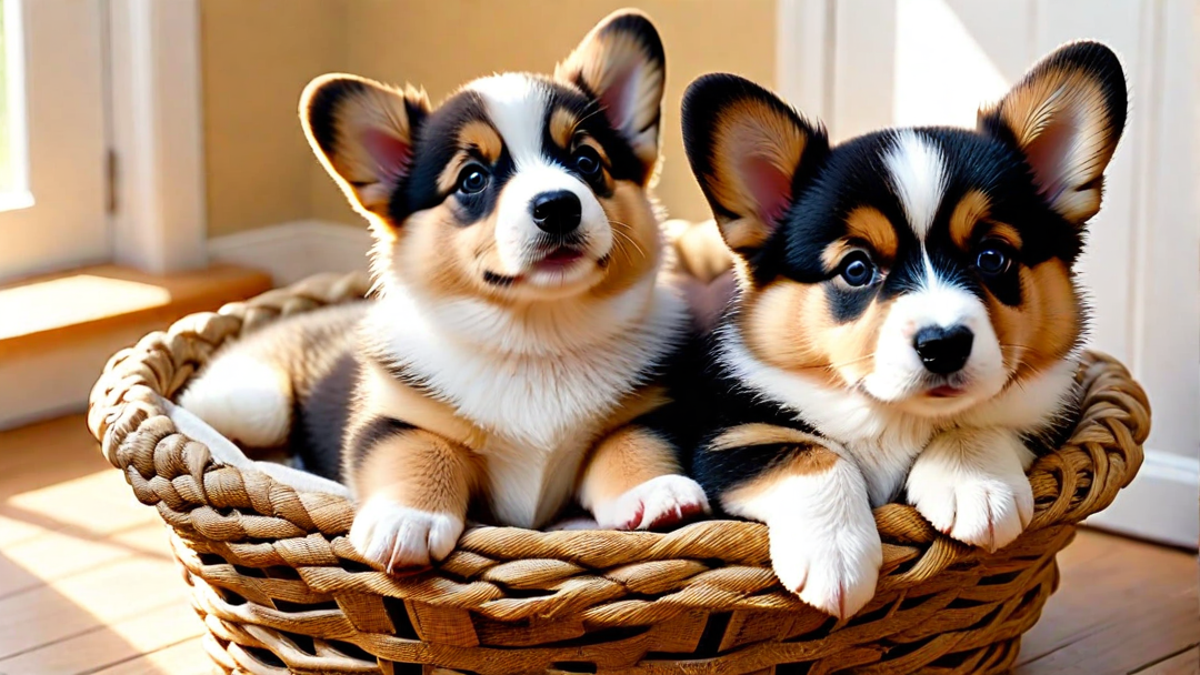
pixel 156 167
pixel 1162 333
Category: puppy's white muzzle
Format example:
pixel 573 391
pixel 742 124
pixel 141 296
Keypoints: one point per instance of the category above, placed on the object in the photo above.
pixel 522 244
pixel 920 349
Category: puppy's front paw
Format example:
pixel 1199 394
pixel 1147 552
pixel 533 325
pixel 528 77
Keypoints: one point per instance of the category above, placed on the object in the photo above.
pixel 397 537
pixel 989 512
pixel 659 502
pixel 973 489
pixel 831 566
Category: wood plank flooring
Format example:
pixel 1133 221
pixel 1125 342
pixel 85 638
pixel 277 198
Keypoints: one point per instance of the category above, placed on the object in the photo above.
pixel 87 585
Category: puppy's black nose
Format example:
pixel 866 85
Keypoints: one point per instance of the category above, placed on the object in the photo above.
pixel 557 212
pixel 944 350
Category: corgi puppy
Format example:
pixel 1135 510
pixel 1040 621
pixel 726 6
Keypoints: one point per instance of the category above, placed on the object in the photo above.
pixel 509 362
pixel 907 320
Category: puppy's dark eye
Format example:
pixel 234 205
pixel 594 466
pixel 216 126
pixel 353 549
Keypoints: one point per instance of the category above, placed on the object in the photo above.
pixel 993 260
pixel 857 269
pixel 472 179
pixel 587 161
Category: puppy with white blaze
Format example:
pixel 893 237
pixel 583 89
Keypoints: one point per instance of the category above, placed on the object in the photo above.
pixel 907 320
pixel 510 362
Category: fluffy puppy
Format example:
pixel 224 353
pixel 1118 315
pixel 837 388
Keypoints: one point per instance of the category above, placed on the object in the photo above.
pixel 907 319
pixel 509 362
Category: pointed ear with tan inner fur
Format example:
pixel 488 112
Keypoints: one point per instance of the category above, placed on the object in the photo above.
pixel 1065 116
pixel 751 152
pixel 621 64
pixel 362 131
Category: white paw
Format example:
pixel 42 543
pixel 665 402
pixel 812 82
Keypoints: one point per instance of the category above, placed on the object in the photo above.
pixel 659 502
pixel 825 546
pixel 832 566
pixel 973 490
pixel 397 537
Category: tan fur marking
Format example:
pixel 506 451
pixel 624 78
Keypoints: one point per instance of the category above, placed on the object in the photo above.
pixel 637 240
pixel 750 129
pixel 1044 329
pixel 747 435
pixel 851 346
pixel 806 460
pixel 775 332
pixel 622 461
pixel 746 233
pixel 870 225
pixel 972 208
pixel 790 325
pixel 562 127
pixel 834 252
pixel 482 137
pixel 476 138
pixel 448 178
pixel 439 256
pixel 420 470
pixel 1006 233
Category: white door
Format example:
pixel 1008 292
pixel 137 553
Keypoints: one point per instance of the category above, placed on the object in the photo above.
pixel 53 154
pixel 861 65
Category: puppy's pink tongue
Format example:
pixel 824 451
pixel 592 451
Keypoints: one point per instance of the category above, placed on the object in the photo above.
pixel 562 256
pixel 944 391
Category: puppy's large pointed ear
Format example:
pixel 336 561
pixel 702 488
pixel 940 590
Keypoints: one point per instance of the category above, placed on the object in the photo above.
pixel 621 64
pixel 750 152
pixel 362 131
pixel 1065 117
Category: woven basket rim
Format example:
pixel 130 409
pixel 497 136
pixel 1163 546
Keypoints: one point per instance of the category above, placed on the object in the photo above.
pixel 245 508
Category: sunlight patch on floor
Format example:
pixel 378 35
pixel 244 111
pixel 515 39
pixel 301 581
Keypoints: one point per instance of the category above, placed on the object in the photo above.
pixel 58 531
pixel 54 303
pixel 98 504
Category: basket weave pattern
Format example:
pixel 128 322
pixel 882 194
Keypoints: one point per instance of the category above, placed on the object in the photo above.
pixel 280 588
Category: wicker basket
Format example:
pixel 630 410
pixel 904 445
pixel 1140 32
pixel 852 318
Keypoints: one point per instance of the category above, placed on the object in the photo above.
pixel 280 588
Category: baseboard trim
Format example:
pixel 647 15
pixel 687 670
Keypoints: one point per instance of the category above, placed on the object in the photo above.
pixel 1162 504
pixel 294 250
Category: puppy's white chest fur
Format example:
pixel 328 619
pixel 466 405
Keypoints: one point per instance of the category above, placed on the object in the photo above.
pixel 541 392
pixel 528 485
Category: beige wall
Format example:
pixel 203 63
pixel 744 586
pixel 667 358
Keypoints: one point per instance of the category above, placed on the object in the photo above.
pixel 256 62
pixel 257 56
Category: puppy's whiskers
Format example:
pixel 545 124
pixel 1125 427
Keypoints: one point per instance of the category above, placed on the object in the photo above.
pixel 622 235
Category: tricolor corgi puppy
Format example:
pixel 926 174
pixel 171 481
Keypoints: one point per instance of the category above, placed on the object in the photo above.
pixel 907 319
pixel 509 363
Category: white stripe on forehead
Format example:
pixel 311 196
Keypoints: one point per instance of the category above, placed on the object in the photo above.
pixel 918 177
pixel 516 104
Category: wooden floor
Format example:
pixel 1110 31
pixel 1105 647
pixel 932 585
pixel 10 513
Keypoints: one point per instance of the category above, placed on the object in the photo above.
pixel 87 584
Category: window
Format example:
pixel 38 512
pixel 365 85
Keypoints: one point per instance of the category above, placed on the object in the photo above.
pixel 53 156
